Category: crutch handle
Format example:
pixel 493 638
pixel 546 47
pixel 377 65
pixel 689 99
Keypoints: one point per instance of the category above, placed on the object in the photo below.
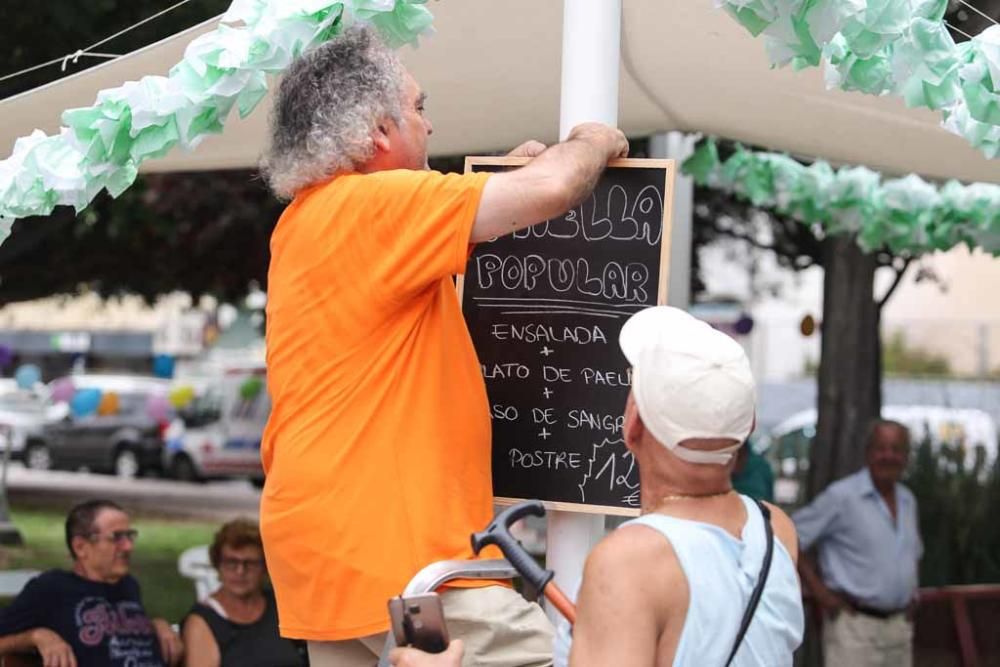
pixel 498 533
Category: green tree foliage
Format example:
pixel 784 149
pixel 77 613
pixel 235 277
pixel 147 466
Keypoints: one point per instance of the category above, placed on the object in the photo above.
pixel 958 496
pixel 203 233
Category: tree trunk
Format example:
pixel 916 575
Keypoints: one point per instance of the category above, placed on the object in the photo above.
pixel 850 368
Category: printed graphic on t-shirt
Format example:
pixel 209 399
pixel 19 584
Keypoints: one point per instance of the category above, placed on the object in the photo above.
pixel 122 626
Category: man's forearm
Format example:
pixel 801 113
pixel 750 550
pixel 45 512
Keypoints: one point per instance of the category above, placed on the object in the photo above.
pixel 22 642
pixel 580 161
pixel 810 576
pixel 551 184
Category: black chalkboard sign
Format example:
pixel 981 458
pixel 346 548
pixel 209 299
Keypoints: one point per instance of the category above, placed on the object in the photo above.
pixel 544 307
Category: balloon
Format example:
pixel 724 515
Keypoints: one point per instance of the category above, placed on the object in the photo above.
pixel 250 388
pixel 63 390
pixel 181 396
pixel 158 407
pixel 744 325
pixel 6 356
pixel 108 404
pixel 27 376
pixel 85 402
pixel 163 366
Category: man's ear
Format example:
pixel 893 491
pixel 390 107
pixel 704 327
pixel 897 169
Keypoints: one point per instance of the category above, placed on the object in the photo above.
pixel 380 137
pixel 78 542
pixel 633 429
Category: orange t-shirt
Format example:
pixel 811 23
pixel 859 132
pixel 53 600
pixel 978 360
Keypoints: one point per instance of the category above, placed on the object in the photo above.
pixel 377 450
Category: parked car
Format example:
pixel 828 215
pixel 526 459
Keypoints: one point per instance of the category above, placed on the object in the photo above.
pixel 789 442
pixel 22 416
pixel 219 433
pixel 128 442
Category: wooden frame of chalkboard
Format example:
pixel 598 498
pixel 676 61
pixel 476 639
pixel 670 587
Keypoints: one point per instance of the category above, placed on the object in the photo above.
pixel 569 283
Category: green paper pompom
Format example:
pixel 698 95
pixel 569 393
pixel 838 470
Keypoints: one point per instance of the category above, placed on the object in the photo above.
pixel 754 15
pixel 103 145
pixel 703 162
pixel 888 46
pixel 905 215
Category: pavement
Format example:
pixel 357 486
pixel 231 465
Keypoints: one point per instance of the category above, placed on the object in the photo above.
pixel 216 501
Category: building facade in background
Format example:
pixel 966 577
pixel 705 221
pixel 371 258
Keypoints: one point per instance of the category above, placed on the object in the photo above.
pixel 60 335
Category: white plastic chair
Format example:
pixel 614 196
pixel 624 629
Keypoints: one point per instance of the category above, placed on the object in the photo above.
pixel 195 564
pixel 12 581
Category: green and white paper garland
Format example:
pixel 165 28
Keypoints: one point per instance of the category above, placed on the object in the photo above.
pixel 875 46
pixel 904 214
pixel 102 146
pixel 888 46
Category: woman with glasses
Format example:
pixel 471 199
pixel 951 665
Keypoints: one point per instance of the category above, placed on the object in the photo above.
pixel 238 624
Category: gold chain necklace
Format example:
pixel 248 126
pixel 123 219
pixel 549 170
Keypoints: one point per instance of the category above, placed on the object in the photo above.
pixel 698 496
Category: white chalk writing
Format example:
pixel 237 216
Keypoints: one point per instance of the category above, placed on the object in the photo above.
pixel 614 281
pixel 544 333
pixel 551 460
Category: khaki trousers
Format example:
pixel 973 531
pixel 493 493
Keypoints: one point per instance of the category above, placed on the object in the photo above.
pixel 865 641
pixel 498 627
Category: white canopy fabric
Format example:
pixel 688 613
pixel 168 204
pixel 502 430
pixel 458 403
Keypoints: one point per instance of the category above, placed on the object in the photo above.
pixel 492 74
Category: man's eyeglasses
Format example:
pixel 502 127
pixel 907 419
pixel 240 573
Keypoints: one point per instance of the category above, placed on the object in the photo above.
pixel 117 537
pixel 237 564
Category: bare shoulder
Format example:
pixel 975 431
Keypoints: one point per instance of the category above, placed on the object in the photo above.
pixel 631 542
pixel 637 554
pixel 200 647
pixel 197 634
pixel 194 619
pixel 633 585
pixel 627 599
pixel 784 530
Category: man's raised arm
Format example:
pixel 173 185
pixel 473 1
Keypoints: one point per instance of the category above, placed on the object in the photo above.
pixel 550 184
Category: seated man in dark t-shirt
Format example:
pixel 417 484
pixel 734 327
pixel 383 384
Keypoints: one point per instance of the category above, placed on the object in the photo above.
pixel 92 615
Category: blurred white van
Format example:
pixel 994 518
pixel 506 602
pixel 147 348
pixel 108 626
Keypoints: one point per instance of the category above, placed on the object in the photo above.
pixel 218 434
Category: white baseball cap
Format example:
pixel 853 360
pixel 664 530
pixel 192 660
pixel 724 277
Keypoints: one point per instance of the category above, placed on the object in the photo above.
pixel 689 381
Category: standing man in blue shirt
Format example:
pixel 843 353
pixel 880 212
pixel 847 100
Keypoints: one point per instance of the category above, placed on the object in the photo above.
pixel 865 530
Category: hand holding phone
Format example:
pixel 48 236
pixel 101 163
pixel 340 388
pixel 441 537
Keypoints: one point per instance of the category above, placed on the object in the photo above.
pixel 418 621
pixel 411 657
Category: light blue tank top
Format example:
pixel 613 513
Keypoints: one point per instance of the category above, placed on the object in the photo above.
pixel 721 572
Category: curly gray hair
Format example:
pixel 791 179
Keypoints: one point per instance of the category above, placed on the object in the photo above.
pixel 327 107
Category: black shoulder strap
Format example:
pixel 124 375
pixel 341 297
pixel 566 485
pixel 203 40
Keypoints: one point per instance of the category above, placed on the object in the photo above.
pixel 765 568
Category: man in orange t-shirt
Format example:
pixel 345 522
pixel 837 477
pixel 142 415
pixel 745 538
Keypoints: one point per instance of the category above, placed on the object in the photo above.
pixel 377 451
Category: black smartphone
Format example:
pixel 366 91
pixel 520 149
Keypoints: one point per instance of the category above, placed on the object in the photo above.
pixel 418 621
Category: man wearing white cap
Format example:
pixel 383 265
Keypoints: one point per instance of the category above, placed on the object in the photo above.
pixel 677 585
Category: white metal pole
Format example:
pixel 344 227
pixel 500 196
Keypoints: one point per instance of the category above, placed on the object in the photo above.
pixel 591 55
pixel 9 534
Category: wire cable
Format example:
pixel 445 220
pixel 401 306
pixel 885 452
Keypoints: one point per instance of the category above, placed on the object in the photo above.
pixel 958 30
pixel 76 55
pixel 980 12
